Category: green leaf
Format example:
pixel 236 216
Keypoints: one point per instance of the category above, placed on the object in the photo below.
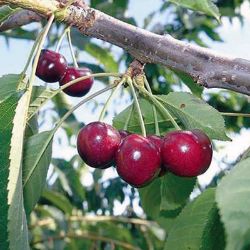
pixel 151 198
pixel 103 56
pixel 58 200
pixel 9 84
pixel 37 157
pixel 205 6
pixel 175 191
pixel 148 117
pixel 40 95
pixel 194 227
pixel 232 197
pixel 195 113
pixel 14 233
pixel 5 12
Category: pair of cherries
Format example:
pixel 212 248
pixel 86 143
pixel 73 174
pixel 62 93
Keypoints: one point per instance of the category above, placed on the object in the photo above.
pixel 140 159
pixel 53 67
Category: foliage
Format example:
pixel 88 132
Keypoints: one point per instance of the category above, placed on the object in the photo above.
pixel 48 198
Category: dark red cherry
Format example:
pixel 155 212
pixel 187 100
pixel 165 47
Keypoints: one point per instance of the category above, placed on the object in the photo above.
pixel 187 153
pixel 97 144
pixel 78 89
pixel 51 66
pixel 158 141
pixel 137 160
pixel 124 133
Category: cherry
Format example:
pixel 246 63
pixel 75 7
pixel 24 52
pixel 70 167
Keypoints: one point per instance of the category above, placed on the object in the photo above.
pixel 158 141
pixel 123 133
pixel 97 144
pixel 187 153
pixel 51 66
pixel 78 89
pixel 138 160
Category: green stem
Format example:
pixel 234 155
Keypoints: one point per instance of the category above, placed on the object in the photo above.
pixel 110 98
pixel 129 117
pixel 61 37
pixel 234 114
pixel 81 103
pixel 129 81
pixel 71 49
pixel 39 48
pixel 34 47
pixel 161 107
pixel 76 81
pixel 157 129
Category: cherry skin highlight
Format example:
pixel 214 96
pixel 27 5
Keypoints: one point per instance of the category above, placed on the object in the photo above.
pixel 187 153
pixel 138 160
pixel 78 89
pixel 51 66
pixel 97 144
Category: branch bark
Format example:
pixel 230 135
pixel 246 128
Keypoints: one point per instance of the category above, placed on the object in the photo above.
pixel 205 66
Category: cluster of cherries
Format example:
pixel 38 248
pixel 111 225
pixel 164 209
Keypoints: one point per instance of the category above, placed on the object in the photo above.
pixel 53 67
pixel 139 159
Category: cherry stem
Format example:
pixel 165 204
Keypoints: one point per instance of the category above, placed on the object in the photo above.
pixel 34 48
pixel 76 81
pixel 39 48
pixel 157 130
pixel 234 114
pixel 129 117
pixel 160 106
pixel 71 49
pixel 61 37
pixel 101 117
pixel 81 103
pixel 129 81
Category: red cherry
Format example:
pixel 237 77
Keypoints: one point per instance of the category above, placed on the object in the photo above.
pixel 97 144
pixel 187 153
pixel 124 133
pixel 158 141
pixel 138 160
pixel 78 89
pixel 51 66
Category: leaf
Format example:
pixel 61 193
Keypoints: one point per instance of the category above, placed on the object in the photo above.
pixel 40 95
pixel 58 200
pixel 205 6
pixel 5 12
pixel 194 227
pixel 147 113
pixel 9 84
pixel 232 197
pixel 195 113
pixel 14 233
pixel 37 157
pixel 175 191
pixel 103 56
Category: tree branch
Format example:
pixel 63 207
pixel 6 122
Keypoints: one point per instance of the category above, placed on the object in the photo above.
pixel 206 67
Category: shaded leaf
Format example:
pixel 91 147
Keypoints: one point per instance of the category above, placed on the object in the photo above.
pixel 232 197
pixel 37 157
pixel 205 6
pixel 9 84
pixel 195 113
pixel 58 200
pixel 40 95
pixel 103 56
pixel 175 191
pixel 147 113
pixel 193 228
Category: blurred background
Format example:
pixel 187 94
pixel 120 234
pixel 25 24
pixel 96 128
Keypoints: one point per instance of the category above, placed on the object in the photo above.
pixel 74 189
